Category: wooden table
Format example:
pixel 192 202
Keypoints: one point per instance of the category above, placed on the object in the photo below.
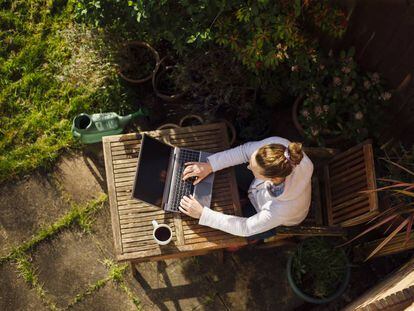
pixel 131 218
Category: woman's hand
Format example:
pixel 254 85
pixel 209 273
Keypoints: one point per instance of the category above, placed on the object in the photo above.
pixel 191 207
pixel 200 170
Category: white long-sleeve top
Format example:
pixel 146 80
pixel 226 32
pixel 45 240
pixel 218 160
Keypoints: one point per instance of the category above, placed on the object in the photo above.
pixel 288 209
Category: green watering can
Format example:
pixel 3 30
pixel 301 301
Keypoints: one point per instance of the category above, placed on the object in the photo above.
pixel 90 129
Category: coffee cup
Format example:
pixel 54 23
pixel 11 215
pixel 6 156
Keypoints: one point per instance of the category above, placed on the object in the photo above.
pixel 162 233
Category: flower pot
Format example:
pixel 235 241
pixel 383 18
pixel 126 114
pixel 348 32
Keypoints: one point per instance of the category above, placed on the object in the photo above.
pixel 191 120
pixel 317 300
pixel 137 56
pixel 295 112
pixel 160 82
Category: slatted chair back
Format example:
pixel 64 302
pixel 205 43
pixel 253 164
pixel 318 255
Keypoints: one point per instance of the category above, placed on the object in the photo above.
pixel 345 176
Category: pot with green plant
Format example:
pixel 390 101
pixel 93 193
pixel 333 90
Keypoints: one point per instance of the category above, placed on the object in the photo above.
pixel 318 272
pixel 137 62
pixel 336 101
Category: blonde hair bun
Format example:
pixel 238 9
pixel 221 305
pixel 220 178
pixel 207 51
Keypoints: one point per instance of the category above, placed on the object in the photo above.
pixel 295 152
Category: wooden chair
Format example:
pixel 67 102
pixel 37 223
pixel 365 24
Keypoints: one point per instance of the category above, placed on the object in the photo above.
pixel 345 176
pixel 337 201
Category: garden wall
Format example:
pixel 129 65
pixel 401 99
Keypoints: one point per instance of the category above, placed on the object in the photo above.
pixel 382 32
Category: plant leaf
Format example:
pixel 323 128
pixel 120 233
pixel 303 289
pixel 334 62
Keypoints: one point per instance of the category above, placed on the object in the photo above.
pixel 407 193
pixel 387 239
pixel 389 218
pixel 409 226
pixel 398 165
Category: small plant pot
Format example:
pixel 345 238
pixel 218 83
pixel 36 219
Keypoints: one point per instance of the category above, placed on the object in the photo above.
pixel 167 126
pixel 299 127
pixel 190 120
pixel 163 84
pixel 131 53
pixel 303 295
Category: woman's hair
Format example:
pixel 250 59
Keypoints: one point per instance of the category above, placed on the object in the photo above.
pixel 276 160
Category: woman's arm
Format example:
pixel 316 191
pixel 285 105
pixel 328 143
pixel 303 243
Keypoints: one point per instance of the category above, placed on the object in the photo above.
pixel 241 226
pixel 238 155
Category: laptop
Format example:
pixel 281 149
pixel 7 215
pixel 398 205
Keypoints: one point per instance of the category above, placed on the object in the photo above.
pixel 158 178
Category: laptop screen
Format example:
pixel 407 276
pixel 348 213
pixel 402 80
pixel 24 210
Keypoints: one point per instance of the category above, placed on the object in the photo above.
pixel 152 169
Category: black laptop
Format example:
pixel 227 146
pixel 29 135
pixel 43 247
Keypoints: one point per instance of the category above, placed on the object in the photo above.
pixel 158 178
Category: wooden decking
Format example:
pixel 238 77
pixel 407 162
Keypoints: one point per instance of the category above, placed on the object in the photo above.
pixel 131 219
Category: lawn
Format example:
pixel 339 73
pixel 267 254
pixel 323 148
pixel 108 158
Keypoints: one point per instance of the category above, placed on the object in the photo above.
pixel 50 70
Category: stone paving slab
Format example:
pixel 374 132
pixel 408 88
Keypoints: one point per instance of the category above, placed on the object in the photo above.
pixel 81 175
pixel 166 284
pixel 25 206
pixel 108 298
pixel 102 232
pixel 261 281
pixel 15 294
pixel 68 264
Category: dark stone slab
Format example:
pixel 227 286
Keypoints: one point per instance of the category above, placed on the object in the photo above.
pixel 108 298
pixel 82 175
pixel 26 206
pixel 15 293
pixel 68 264
pixel 168 286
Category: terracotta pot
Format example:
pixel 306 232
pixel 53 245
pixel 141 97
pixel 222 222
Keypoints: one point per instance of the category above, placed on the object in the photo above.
pixel 295 113
pixel 140 45
pixel 160 70
pixel 190 120
pixel 168 126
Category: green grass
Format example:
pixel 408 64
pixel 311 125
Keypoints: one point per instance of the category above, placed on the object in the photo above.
pixel 26 271
pixel 116 274
pixel 50 70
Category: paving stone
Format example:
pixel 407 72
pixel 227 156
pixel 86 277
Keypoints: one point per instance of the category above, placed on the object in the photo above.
pixel 166 285
pixel 108 298
pixel 68 264
pixel 15 293
pixel 260 281
pixel 102 231
pixel 26 206
pixel 82 175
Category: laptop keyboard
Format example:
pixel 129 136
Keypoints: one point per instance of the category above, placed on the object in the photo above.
pixel 182 187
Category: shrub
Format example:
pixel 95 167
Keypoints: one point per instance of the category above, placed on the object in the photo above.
pixel 339 99
pixel 262 34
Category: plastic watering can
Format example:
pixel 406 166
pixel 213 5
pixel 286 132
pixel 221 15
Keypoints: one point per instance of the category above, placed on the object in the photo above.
pixel 90 129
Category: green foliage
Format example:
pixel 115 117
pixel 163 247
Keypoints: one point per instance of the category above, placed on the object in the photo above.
pixel 339 99
pixel 262 34
pixel 318 267
pixel 28 273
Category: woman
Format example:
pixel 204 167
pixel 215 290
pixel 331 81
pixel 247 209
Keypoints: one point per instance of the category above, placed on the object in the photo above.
pixel 280 192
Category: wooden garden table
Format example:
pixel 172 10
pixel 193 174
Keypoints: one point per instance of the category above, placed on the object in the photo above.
pixel 131 218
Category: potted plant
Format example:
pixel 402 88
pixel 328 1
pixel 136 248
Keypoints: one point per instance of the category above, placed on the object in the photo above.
pixel 138 60
pixel 164 80
pixel 336 100
pixel 317 271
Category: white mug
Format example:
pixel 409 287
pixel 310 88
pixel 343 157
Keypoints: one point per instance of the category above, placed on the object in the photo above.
pixel 159 231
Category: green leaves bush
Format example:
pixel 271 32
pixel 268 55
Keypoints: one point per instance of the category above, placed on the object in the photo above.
pixel 262 34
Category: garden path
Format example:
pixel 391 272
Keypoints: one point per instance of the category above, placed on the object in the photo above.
pixel 73 266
